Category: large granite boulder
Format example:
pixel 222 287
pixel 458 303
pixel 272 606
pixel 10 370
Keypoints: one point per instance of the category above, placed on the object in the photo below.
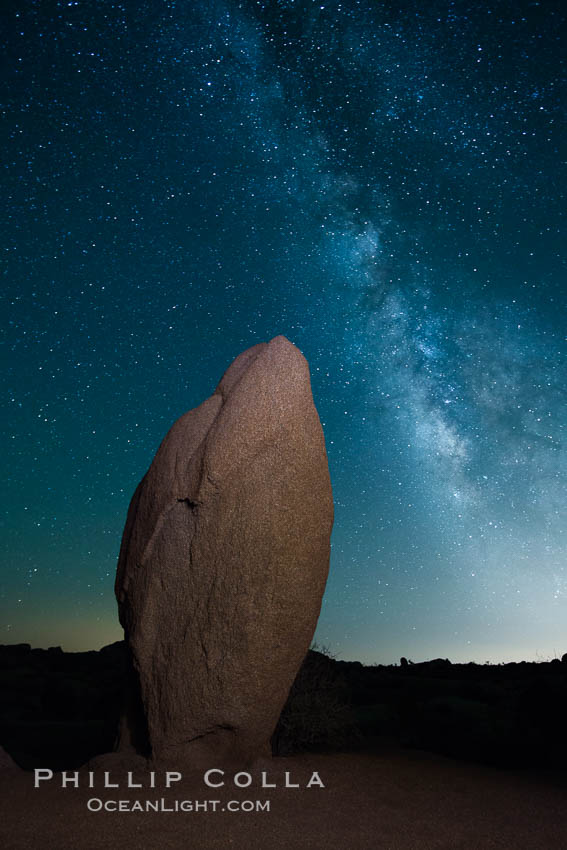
pixel 223 564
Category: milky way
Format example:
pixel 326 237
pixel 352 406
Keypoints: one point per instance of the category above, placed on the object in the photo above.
pixel 384 186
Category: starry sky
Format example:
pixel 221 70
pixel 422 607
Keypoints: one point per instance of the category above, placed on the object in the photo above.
pixel 382 183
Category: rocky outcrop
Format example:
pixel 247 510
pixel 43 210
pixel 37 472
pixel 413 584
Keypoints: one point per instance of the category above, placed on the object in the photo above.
pixel 7 763
pixel 223 564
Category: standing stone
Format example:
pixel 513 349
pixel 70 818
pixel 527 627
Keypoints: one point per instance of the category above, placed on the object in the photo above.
pixel 223 563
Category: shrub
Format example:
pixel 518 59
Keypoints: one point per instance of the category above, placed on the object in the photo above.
pixel 317 714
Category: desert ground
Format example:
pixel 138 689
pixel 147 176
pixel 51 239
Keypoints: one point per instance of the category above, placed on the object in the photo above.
pixel 394 799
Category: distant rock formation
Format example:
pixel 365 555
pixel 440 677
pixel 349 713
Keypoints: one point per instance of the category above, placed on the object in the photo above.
pixel 223 564
pixel 7 763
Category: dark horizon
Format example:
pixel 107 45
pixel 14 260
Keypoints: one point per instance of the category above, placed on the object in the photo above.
pixel 410 662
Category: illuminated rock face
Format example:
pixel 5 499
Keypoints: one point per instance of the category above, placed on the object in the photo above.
pixel 223 563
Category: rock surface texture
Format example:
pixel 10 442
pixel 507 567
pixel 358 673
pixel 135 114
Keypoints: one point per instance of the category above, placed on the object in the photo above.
pixel 223 563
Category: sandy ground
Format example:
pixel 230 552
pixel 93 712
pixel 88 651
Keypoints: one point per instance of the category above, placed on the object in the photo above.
pixel 395 800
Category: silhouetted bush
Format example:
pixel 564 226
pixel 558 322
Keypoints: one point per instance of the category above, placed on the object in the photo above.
pixel 317 714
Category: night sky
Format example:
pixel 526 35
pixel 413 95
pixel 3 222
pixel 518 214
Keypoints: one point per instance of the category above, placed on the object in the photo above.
pixel 383 184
